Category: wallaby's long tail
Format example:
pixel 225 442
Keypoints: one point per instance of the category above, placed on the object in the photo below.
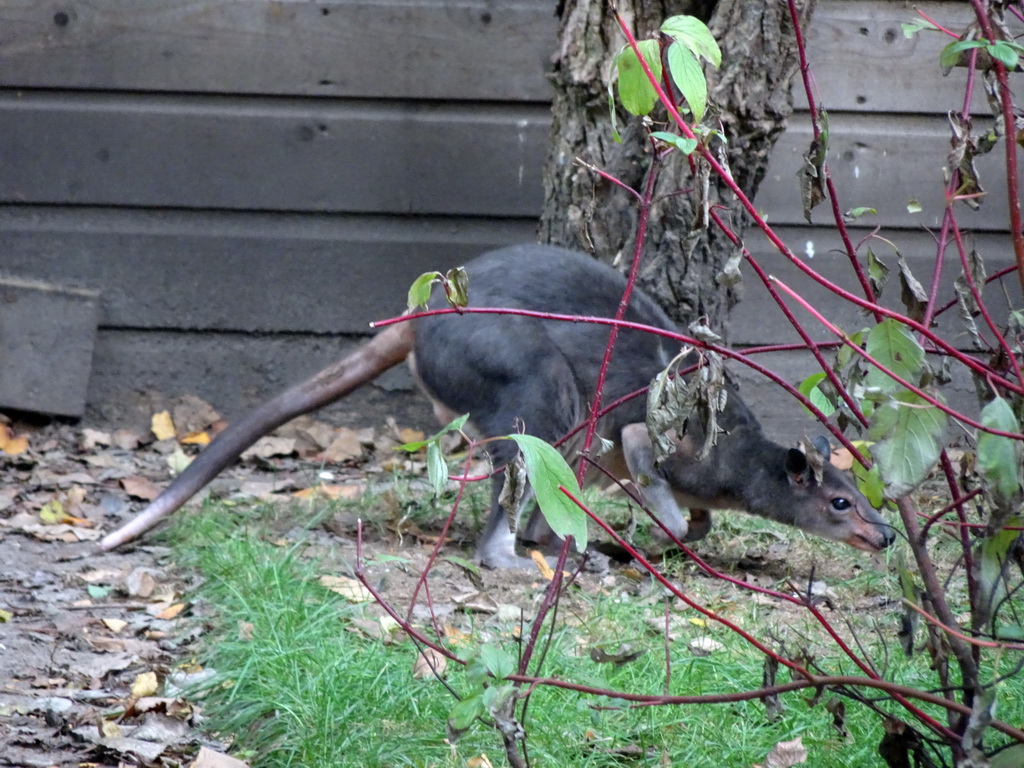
pixel 385 350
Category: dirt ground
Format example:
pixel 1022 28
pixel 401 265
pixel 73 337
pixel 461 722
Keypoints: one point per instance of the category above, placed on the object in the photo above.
pixel 92 645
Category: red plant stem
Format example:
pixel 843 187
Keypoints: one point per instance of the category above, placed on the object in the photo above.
pixel 948 219
pixel 990 279
pixel 814 681
pixel 933 588
pixel 900 380
pixel 620 313
pixel 811 681
pixel 797 326
pixel 674 590
pixel 837 214
pixel 958 501
pixel 1009 140
pixel 675 335
pixel 976 293
pixel 965 538
pixel 939 27
pixel 903 701
pixel 782 248
pixel 421 582
pixel 956 633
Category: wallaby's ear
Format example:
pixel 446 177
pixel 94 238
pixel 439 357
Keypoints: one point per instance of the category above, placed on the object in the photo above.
pixel 797 468
pixel 822 445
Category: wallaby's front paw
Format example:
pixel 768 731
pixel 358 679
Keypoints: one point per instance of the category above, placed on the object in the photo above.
pixel 505 561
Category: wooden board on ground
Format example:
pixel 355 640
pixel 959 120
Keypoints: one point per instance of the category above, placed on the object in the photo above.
pixel 46 342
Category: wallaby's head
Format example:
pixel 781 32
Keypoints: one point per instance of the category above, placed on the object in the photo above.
pixel 832 507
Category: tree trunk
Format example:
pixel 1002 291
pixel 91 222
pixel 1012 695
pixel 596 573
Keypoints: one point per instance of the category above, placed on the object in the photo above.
pixel 752 95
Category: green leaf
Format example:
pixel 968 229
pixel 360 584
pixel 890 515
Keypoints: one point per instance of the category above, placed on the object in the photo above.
pixel 909 433
pixel 877 273
pixel 1008 758
pixel 998 456
pixel 547 470
pixel 869 482
pixel 845 353
pixel 496 699
pixel 856 213
pixel 891 344
pixel 913 207
pixel 419 291
pixel 97 592
pixel 689 79
pixel 636 93
pixel 437 467
pixel 498 661
pixel 809 388
pixel 951 53
pixel 453 426
pixel 466 711
pixel 990 568
pixel 911 28
pixel 456 286
pixel 694 34
pixel 1002 51
pixel 683 144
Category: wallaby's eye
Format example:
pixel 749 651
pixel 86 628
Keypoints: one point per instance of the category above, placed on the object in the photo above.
pixel 841 504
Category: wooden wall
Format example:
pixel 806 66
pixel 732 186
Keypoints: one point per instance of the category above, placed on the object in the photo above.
pixel 246 183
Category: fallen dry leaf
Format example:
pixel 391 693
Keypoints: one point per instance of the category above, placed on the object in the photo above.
pixel 429 664
pixel 171 612
pixel 10 444
pixel 177 460
pixel 125 439
pixel 704 646
pixel 542 565
pixel 145 685
pixel 115 625
pixel 162 426
pixel 346 446
pixel 332 492
pixel 268 447
pixel 786 754
pixel 94 437
pixel 140 583
pixel 195 438
pixel 246 629
pixel 140 487
pixel 476 601
pixel 352 590
pixel 208 758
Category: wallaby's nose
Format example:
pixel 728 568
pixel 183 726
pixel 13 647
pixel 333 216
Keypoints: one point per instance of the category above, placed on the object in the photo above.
pixel 888 535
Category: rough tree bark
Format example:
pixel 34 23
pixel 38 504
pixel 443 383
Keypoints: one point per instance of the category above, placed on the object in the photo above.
pixel 751 93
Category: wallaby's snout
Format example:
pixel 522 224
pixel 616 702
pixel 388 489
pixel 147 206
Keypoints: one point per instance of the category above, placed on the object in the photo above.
pixel 836 510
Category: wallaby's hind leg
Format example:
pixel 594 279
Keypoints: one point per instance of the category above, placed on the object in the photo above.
pixel 507 375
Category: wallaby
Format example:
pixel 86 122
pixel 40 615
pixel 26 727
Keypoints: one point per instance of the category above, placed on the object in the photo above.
pixel 510 372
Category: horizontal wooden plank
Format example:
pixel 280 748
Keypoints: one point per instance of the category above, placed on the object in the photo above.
pixel 243 271
pixel 136 373
pixel 757 319
pixel 296 155
pixel 431 49
pixel 882 162
pixel 861 61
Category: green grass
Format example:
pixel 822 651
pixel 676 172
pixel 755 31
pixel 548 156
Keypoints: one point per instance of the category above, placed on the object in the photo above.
pixel 296 687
